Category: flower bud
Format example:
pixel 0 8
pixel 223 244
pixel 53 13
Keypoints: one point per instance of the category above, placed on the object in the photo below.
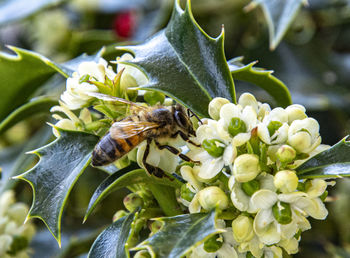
pixel 286 181
pixel 295 112
pixel 213 147
pixel 236 126
pixel 142 254
pixel 246 167
pixel 186 193
pixel 18 244
pixel 300 140
pixel 242 228
pixel 286 154
pixel 247 99
pixel 153 97
pixel 119 214
pixel 212 197
pixel 215 106
pixel 251 187
pixel 212 244
pixel 155 226
pixel 132 201
pixel 282 212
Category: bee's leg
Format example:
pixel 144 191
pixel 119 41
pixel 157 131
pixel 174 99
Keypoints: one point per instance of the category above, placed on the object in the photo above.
pixel 185 138
pixel 152 170
pixel 176 152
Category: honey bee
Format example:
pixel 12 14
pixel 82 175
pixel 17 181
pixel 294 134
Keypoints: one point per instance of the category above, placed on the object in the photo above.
pixel 145 123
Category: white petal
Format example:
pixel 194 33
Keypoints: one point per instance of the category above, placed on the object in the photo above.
pixel 317 188
pixel 239 199
pixel 266 182
pixel 264 199
pixel 291 197
pixel 240 139
pixel 263 133
pixel 289 230
pixel 265 227
pixel 211 168
pixel 249 117
pixel 194 206
pixel 228 111
pixel 229 155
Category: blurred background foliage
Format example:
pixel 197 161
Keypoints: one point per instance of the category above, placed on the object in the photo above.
pixel 307 44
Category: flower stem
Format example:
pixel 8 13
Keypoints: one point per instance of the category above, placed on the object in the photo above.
pixel 166 199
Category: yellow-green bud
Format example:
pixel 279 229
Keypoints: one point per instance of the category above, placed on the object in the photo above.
pixel 242 228
pixel 153 97
pixel 246 167
pixel 286 154
pixel 212 197
pixel 212 244
pixel 132 202
pixel 119 214
pixel 215 106
pixel 282 212
pixel 155 226
pixel 300 140
pixel 142 254
pixel 286 181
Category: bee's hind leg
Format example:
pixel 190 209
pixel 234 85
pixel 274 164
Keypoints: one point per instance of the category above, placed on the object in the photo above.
pixel 152 170
pixel 185 138
pixel 176 152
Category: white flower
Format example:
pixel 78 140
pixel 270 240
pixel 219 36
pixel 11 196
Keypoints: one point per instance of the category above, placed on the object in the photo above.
pixel 76 95
pixel 215 152
pixel 295 112
pixel 236 123
pixel 303 135
pixel 242 228
pixel 132 76
pixel 215 106
pixel 285 207
pixel 12 217
pixel 274 127
pixel 240 199
pixel 286 181
pixel 262 109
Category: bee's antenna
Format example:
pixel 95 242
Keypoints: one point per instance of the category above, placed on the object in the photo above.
pixel 190 113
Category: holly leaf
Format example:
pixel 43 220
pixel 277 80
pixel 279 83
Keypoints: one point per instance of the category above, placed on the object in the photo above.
pixel 331 163
pixel 12 10
pixel 14 161
pixel 37 105
pixel 279 15
pixel 180 234
pixel 123 178
pixel 261 78
pixel 183 62
pixel 53 177
pixel 111 242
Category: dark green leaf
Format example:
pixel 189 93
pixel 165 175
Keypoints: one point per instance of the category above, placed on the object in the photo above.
pixel 111 243
pixel 14 161
pixel 12 10
pixel 185 63
pixel 261 78
pixel 35 106
pixel 20 76
pixel 179 234
pixel 61 163
pixel 331 163
pixel 123 178
pixel 279 14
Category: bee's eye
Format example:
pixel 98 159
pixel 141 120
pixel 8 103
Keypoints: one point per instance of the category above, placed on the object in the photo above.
pixel 180 119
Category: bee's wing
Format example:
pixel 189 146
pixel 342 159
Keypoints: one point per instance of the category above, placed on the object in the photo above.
pixel 126 129
pixel 115 99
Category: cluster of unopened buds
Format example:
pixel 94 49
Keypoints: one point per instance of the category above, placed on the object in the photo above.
pixel 248 155
pixel 14 234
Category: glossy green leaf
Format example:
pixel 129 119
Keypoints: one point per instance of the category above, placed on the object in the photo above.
pixel 331 163
pixel 111 243
pixel 279 15
pixel 20 76
pixel 53 177
pixel 35 106
pixel 14 161
pixel 13 10
pixel 183 62
pixel 180 234
pixel 261 78
pixel 124 178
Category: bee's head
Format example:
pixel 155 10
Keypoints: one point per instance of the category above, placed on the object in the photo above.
pixel 183 119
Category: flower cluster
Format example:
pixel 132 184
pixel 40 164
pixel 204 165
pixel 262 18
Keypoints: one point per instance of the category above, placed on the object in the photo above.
pixel 248 157
pixel 14 234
